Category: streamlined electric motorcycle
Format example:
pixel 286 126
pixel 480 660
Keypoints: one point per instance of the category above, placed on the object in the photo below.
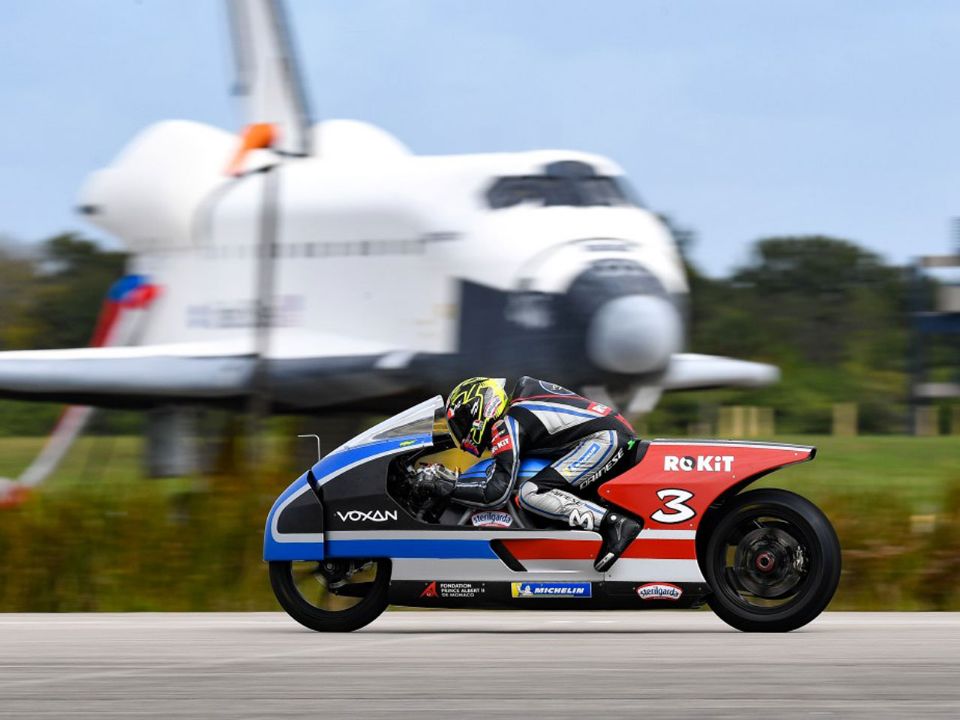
pixel 350 536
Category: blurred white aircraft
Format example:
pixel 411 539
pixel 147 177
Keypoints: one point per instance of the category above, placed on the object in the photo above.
pixel 327 266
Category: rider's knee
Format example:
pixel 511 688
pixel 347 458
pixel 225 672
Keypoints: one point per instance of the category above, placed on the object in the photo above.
pixel 527 489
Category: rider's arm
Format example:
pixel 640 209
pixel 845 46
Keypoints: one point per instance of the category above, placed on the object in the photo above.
pixel 495 487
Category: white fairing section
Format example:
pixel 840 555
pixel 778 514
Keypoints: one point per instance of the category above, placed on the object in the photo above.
pixel 267 76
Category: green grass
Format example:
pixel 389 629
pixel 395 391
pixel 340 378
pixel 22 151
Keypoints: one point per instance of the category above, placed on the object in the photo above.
pixel 107 460
pixel 916 469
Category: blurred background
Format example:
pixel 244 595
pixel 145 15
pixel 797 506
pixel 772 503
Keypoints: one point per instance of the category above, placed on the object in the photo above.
pixel 801 160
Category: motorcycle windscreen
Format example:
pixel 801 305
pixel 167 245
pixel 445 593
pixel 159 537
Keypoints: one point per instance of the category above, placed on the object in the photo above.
pixel 294 528
pixel 414 423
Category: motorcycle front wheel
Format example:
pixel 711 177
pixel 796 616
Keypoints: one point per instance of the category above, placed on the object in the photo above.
pixel 773 562
pixel 337 595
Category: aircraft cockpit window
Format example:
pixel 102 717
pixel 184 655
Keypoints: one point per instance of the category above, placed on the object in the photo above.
pixel 545 190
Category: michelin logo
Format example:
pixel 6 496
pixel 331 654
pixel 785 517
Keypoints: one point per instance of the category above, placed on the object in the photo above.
pixel 540 589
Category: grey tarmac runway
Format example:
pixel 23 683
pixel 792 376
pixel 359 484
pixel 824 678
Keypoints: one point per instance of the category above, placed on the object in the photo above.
pixel 477 665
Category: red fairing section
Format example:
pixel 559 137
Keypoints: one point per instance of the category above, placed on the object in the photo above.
pixel 676 481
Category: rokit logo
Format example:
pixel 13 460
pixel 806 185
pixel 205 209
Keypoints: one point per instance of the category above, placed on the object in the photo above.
pixel 367 515
pixel 700 463
pixel 501 441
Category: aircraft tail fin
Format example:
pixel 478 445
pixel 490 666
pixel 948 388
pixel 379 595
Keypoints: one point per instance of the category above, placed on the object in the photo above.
pixel 121 319
pixel 268 77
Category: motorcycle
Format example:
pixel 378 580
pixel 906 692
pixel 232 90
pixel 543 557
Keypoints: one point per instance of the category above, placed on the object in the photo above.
pixel 350 536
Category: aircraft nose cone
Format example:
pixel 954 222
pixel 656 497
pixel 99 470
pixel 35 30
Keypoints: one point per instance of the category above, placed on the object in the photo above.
pixel 634 334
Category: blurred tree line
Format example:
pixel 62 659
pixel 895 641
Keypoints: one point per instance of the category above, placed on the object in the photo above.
pixel 828 312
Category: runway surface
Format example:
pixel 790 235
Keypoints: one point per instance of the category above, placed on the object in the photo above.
pixel 477 665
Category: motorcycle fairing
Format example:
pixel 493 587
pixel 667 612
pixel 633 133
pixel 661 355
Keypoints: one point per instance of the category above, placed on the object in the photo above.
pixel 664 551
pixel 296 523
pixel 705 469
pixel 352 516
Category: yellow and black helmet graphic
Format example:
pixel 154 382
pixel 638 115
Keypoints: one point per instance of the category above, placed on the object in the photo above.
pixel 472 408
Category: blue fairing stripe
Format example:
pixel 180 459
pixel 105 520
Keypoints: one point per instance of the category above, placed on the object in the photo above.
pixel 442 549
pixel 292 551
pixel 342 458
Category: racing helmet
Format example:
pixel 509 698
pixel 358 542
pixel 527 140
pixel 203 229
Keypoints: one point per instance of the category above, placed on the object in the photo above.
pixel 472 408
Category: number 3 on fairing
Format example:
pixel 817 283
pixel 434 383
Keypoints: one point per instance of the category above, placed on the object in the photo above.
pixel 681 512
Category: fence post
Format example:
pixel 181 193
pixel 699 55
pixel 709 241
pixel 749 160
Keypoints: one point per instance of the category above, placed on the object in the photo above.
pixel 767 428
pixel 926 421
pixel 739 421
pixel 845 419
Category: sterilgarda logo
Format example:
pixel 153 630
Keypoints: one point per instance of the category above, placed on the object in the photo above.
pixel 659 591
pixel 550 590
pixel 491 518
pixel 700 463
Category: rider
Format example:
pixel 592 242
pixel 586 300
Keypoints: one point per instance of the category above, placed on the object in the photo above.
pixel 540 416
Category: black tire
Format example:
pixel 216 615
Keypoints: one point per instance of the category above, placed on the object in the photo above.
pixel 367 608
pixel 786 562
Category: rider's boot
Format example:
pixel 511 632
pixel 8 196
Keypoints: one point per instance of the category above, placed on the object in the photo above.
pixel 617 531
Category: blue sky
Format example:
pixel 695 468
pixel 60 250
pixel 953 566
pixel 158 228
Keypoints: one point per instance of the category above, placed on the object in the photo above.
pixel 739 119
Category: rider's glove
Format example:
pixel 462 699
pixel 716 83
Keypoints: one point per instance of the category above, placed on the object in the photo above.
pixel 435 481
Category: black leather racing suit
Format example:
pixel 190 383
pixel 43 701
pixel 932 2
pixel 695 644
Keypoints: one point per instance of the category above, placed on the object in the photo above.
pixel 543 417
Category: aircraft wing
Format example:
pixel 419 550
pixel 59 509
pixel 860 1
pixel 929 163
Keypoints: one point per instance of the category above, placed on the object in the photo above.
pixel 124 375
pixel 268 77
pixel 304 373
pixel 692 371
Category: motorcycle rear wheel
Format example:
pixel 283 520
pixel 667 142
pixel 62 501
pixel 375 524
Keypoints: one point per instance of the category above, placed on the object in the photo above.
pixel 332 596
pixel 772 561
